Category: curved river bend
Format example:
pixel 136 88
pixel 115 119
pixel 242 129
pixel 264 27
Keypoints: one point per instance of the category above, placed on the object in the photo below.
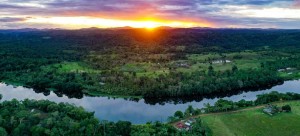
pixel 137 112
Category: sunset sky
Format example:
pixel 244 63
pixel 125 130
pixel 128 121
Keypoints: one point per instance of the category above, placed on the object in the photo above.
pixel 73 14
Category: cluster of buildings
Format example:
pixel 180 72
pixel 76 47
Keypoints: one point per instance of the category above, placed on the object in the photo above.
pixel 183 64
pixel 289 70
pixel 270 109
pixel 185 124
pixel 273 109
pixel 220 61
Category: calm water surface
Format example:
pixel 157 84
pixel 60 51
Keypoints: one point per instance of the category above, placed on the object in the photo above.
pixel 137 112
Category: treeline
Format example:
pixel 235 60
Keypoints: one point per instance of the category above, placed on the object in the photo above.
pixel 275 96
pixel 283 63
pixel 227 105
pixel 45 118
pixel 204 83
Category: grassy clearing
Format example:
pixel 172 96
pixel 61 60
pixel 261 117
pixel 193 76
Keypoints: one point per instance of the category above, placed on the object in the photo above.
pixel 68 67
pixel 256 123
pixel 203 57
pixel 241 64
pixel 243 60
pixel 154 73
pixel 138 67
pixel 144 69
pixel 196 62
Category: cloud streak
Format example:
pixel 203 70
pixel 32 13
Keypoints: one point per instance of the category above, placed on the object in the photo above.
pixel 11 19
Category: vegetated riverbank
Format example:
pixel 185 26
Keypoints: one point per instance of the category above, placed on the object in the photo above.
pixel 227 105
pixel 265 83
pixel 245 117
pixel 153 101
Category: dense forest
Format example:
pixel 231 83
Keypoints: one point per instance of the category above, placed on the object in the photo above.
pixel 157 64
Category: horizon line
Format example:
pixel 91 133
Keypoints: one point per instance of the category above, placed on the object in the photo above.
pixel 159 27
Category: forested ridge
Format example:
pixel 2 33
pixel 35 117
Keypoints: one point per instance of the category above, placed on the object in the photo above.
pixel 165 63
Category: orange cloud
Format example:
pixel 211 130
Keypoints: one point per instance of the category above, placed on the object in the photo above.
pixel 83 22
pixel 149 15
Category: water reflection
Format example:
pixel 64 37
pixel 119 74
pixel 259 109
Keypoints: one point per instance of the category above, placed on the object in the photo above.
pixel 134 110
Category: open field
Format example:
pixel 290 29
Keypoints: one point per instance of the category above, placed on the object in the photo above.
pixel 256 123
pixel 69 67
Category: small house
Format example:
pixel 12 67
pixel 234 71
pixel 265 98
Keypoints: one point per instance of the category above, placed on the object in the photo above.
pixel 179 125
pixel 288 68
pixel 183 126
pixel 187 124
pixel 183 64
pixel 270 109
pixel 191 120
pixel 101 83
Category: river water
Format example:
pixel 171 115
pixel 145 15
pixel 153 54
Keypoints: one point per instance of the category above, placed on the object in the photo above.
pixel 137 112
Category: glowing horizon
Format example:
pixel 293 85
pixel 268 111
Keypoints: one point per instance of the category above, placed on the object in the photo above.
pixel 84 22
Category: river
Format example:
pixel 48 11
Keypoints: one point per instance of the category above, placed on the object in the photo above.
pixel 138 112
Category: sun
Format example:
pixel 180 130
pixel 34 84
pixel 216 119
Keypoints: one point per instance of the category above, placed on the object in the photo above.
pixel 150 24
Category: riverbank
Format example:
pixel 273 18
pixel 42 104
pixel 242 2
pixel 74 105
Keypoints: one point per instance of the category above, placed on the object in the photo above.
pixel 229 112
pixel 151 101
pixel 18 84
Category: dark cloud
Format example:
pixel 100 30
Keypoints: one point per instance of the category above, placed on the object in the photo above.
pixel 8 6
pixel 121 6
pixel 250 2
pixel 11 19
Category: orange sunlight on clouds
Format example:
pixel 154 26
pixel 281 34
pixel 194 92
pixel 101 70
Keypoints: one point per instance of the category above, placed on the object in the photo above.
pixel 84 22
